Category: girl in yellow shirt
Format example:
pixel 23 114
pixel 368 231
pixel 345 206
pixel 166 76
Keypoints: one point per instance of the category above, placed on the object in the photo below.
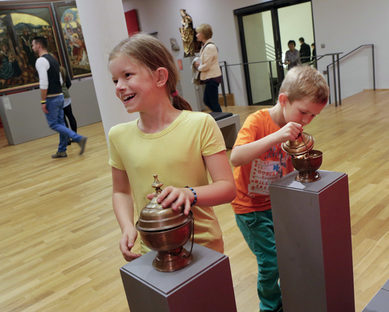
pixel 166 139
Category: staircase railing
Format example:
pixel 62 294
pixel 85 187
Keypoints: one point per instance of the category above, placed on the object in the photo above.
pixel 226 79
pixel 336 64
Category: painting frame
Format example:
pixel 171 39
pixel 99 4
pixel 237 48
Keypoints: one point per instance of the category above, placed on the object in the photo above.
pixel 72 39
pixel 18 25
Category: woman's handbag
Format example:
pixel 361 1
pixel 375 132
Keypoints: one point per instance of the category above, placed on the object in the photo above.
pixel 196 78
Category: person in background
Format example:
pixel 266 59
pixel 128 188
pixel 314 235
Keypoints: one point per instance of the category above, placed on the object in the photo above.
pixel 52 99
pixel 67 106
pixel 259 160
pixel 167 139
pixel 292 56
pixel 313 60
pixel 208 67
pixel 305 51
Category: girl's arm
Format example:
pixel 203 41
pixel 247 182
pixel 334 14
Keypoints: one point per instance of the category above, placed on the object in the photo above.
pixel 124 211
pixel 221 190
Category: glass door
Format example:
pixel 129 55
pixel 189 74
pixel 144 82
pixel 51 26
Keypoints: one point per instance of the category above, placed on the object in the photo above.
pixel 260 56
pixel 293 27
pixel 265 30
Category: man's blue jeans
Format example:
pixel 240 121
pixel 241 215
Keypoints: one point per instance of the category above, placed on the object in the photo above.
pixel 258 231
pixel 56 122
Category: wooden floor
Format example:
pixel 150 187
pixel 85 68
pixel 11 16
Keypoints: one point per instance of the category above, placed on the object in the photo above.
pixel 59 237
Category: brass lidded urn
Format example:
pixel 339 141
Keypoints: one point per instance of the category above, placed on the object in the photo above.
pixel 166 231
pixel 305 159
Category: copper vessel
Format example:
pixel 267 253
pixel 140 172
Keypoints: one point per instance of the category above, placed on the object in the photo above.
pixel 166 231
pixel 304 159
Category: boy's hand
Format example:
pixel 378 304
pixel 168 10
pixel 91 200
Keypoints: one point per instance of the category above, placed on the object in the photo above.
pixel 175 198
pixel 290 131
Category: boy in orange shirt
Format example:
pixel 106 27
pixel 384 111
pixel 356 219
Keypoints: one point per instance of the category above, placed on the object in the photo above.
pixel 259 160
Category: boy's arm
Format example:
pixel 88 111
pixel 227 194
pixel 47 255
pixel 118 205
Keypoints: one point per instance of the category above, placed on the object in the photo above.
pixel 244 154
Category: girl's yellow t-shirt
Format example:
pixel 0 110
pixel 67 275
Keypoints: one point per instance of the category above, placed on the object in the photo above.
pixel 176 155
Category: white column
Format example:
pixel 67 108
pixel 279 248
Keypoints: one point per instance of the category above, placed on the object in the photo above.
pixel 103 25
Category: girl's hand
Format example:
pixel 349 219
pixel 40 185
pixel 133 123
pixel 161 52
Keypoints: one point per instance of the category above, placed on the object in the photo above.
pixel 127 242
pixel 290 131
pixel 176 198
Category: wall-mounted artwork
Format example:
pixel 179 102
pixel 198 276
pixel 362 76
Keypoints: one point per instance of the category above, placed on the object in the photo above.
pixel 73 39
pixel 17 60
pixel 59 23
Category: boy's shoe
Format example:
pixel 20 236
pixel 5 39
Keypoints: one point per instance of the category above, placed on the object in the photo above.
pixel 59 155
pixel 69 141
pixel 82 144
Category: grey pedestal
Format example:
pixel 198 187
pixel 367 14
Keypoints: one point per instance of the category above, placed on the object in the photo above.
pixel 229 127
pixel 313 240
pixel 205 285
pixel 380 302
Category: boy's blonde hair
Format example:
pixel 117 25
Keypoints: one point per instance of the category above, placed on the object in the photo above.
pixel 206 30
pixel 150 52
pixel 305 82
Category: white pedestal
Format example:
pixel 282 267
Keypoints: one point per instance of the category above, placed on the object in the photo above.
pixel 313 240
pixel 205 285
pixel 24 120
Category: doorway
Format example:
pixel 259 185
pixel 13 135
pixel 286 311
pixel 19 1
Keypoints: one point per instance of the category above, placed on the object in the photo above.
pixel 264 31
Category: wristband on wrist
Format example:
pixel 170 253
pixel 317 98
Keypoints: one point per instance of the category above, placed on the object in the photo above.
pixel 194 194
pixel 43 102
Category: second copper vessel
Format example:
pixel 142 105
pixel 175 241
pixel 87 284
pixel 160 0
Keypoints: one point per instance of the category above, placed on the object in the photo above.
pixel 304 159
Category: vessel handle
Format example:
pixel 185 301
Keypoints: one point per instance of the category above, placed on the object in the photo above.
pixel 191 247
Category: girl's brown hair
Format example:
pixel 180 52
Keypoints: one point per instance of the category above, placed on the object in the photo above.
pixel 150 52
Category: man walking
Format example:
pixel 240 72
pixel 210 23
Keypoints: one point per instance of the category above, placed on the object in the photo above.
pixel 52 98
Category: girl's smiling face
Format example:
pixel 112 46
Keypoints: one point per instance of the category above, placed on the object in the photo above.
pixel 134 83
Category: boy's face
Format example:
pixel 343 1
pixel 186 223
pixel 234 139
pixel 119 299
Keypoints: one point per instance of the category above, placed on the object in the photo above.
pixel 300 111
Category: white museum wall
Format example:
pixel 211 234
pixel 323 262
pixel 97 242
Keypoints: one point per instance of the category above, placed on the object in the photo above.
pixel 345 25
pixel 340 25
pixel 164 17
pixel 99 41
pixel 295 22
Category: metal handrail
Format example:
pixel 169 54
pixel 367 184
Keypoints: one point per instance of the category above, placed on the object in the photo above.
pixel 223 64
pixel 352 51
pixel 336 62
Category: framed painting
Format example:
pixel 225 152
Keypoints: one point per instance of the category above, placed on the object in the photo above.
pixel 72 37
pixel 18 26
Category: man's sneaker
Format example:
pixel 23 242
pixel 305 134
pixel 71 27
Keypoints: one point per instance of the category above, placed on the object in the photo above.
pixel 59 155
pixel 82 144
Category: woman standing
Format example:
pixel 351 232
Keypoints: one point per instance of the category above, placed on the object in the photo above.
pixel 208 67
pixel 292 56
